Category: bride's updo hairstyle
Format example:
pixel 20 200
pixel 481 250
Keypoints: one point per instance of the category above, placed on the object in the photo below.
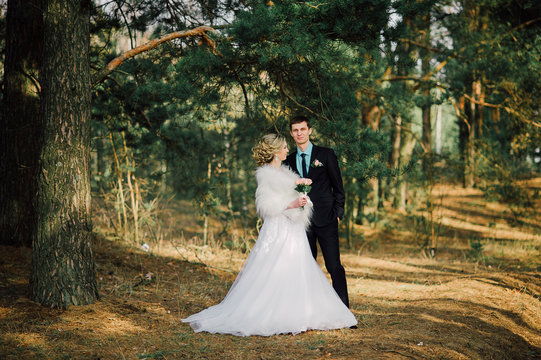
pixel 270 144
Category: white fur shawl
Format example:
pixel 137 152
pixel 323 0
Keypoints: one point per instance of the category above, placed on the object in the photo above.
pixel 275 191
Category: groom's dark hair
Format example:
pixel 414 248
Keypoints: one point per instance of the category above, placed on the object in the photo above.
pixel 298 119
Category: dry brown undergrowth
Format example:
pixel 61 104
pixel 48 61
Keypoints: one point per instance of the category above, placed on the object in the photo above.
pixel 408 306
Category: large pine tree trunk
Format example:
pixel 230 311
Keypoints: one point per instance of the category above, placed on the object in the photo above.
pixel 63 269
pixel 20 122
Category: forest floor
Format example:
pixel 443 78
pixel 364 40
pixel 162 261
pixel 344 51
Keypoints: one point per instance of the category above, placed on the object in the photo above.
pixel 479 298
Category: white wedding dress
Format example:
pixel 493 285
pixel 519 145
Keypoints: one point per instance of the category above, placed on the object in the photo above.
pixel 280 288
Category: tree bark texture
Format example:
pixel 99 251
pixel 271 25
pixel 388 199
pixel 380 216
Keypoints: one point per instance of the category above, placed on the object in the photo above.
pixel 20 122
pixel 63 268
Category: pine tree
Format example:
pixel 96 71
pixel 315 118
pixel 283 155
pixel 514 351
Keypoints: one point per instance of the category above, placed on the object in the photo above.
pixel 63 269
pixel 20 122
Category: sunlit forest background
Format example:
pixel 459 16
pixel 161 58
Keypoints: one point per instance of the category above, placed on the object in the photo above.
pixel 411 94
pixel 432 106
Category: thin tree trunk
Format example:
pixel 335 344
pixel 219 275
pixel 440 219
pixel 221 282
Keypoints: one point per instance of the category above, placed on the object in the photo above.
pixel 371 116
pixel 20 122
pixel 206 217
pixel 463 132
pixel 394 161
pixel 355 204
pixel 438 129
pixel 228 166
pixel 472 10
pixel 427 135
pixel 63 268
pixel 426 108
pixel 360 211
pixel 130 180
pixel 427 130
pixel 101 164
pixel 381 192
pixel 470 148
pixel 480 92
pixel 406 151
pixel 163 184
pixel 121 201
pixel 402 195
pixel 350 202
pixel 401 135
pixel 374 185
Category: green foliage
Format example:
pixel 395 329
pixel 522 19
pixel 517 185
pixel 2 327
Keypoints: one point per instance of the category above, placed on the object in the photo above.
pixel 475 252
pixel 499 171
pixel 495 41
pixel 509 193
pixel 191 115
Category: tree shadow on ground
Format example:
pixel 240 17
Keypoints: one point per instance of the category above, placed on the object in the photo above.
pixel 437 328
pixel 492 216
pixel 138 317
pixel 126 314
pixel 458 327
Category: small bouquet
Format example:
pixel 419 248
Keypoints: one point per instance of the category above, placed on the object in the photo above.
pixel 303 187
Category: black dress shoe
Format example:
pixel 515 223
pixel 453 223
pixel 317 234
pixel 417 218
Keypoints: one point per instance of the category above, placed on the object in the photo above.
pixel 353 327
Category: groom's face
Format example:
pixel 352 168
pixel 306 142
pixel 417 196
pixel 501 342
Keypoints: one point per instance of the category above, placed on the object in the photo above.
pixel 301 133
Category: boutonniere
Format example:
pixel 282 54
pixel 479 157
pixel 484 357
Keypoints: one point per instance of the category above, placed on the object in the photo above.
pixel 316 163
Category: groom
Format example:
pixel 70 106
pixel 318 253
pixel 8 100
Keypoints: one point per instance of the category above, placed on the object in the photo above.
pixel 327 194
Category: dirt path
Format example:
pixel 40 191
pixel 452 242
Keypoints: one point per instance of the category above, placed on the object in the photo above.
pixel 407 309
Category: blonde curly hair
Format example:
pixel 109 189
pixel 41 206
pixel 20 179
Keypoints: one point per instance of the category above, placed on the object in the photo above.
pixel 270 144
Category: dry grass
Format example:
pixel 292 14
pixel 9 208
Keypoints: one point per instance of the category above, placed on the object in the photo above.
pixel 408 306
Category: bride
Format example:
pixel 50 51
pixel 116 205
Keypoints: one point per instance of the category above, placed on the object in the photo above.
pixel 280 288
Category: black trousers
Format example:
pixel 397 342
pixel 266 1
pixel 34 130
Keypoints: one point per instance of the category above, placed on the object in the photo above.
pixel 327 236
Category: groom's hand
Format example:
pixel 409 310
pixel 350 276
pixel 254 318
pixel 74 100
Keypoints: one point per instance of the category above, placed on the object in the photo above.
pixel 338 219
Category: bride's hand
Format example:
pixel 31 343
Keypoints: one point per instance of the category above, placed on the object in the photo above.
pixel 299 202
pixel 302 201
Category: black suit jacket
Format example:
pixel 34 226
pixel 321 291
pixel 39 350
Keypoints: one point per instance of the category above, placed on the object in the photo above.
pixel 327 191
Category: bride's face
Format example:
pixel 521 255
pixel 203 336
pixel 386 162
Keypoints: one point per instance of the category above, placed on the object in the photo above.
pixel 282 153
